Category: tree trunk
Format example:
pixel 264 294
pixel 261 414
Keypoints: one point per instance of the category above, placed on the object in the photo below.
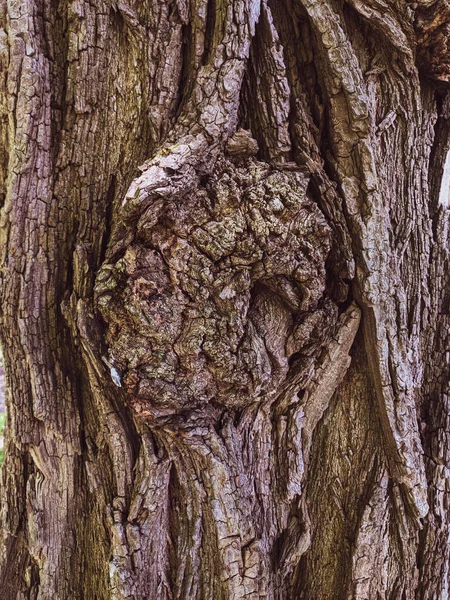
pixel 228 373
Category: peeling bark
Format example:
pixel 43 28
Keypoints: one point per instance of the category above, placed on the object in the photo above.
pixel 224 299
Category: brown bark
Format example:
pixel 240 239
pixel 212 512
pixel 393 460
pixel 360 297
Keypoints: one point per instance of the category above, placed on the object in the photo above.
pixel 228 372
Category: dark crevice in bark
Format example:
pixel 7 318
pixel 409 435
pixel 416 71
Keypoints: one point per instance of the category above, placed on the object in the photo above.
pixel 344 304
pixel 187 69
pixel 117 18
pixel 210 30
pixel 439 150
pixel 293 357
pixel 293 26
pixel 108 221
pixel 82 394
pixel 176 517
pixel 68 283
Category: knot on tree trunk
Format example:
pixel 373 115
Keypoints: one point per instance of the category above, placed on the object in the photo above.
pixel 200 307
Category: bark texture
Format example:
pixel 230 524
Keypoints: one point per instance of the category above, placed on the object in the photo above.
pixel 228 368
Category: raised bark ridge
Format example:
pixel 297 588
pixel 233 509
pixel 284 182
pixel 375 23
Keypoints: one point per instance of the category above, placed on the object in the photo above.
pixel 195 410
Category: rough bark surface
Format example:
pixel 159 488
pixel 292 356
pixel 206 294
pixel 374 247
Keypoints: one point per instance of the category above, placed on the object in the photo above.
pixel 225 300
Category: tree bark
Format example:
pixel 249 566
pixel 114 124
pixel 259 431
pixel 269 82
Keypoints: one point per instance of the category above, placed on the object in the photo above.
pixel 227 368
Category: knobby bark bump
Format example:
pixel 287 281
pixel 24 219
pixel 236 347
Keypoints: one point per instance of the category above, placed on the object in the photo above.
pixel 225 299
